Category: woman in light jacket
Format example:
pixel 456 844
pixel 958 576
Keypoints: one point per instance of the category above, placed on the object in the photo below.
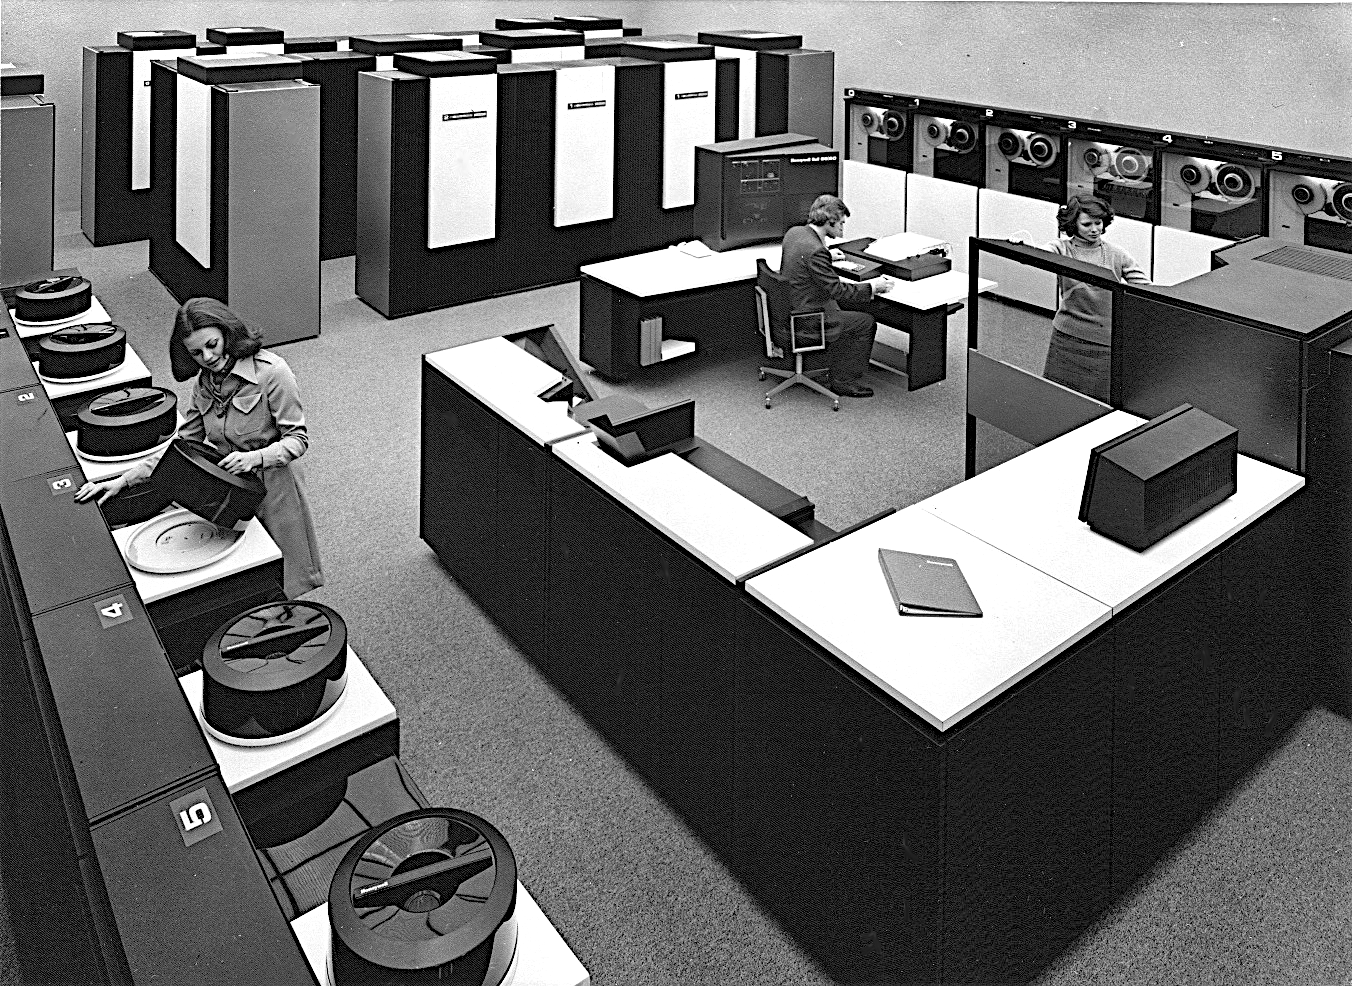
pixel 244 403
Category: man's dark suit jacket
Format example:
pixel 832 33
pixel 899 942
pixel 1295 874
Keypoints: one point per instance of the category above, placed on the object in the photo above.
pixel 806 263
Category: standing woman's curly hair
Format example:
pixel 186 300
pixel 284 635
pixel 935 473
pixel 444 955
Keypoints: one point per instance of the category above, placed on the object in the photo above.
pixel 1069 214
pixel 208 313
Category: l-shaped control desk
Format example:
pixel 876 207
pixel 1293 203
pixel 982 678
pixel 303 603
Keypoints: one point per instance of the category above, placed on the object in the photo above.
pixel 915 799
pixel 709 299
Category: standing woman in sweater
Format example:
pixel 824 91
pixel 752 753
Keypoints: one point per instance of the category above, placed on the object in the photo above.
pixel 245 404
pixel 1079 355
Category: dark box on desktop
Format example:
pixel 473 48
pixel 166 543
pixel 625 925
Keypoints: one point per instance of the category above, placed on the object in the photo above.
pixel 921 267
pixel 1146 484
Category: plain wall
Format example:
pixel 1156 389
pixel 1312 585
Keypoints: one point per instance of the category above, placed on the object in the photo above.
pixel 1277 74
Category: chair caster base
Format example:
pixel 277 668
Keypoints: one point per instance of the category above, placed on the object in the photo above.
pixel 762 374
pixel 835 406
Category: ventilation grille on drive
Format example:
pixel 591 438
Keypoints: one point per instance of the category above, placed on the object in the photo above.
pixel 1188 486
pixel 1298 258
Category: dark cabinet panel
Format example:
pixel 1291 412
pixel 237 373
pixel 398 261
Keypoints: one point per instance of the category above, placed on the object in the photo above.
pixel 1164 720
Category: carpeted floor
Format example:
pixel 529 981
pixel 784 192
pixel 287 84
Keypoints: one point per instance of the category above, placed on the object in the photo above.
pixel 1256 895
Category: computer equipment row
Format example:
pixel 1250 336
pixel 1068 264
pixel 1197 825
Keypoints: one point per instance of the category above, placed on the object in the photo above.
pixel 1220 188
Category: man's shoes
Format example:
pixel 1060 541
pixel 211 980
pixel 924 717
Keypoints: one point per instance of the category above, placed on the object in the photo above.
pixel 850 389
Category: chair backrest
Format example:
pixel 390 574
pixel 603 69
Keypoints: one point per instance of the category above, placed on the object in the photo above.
pixel 763 322
pixel 795 331
pixel 778 300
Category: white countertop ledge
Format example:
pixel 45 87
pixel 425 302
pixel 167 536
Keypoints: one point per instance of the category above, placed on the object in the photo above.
pixel 941 668
pixel 722 528
pixel 509 380
pixel 1029 507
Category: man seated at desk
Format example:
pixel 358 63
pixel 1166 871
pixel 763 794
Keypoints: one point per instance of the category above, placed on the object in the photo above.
pixel 806 264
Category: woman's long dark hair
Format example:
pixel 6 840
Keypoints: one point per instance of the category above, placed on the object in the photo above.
pixel 208 313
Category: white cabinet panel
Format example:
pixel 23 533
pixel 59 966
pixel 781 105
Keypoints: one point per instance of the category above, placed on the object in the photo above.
pixel 462 159
pixel 140 109
pixel 192 170
pixel 945 210
pixel 584 144
pixel 688 121
pixel 1181 254
pixel 876 197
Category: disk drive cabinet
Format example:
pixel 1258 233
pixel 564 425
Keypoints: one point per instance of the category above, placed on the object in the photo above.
pixel 784 87
pixel 239 152
pixel 335 72
pixel 691 96
pixel 116 201
pixel 427 182
pixel 27 146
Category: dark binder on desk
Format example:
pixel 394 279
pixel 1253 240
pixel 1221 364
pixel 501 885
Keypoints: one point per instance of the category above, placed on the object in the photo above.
pixel 927 585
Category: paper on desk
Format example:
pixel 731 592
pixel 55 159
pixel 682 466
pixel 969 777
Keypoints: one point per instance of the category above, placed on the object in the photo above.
pixel 899 246
pixel 695 248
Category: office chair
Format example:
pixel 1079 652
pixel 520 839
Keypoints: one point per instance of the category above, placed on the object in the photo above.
pixel 805 332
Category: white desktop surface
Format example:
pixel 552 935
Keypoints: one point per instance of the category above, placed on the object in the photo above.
pixel 722 528
pixel 659 272
pixel 96 313
pixel 941 668
pixel 508 380
pixel 543 957
pixel 362 708
pixel 933 291
pixel 647 275
pixel 1029 507
pixel 131 370
pixel 255 548
pixel 97 472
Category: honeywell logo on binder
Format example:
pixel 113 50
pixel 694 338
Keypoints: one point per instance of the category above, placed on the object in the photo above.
pixel 467 115
pixel 693 95
pixel 195 816
pixel 587 105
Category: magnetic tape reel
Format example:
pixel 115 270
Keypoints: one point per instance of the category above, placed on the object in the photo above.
pixel 1098 158
pixel 879 122
pixel 1340 200
pixel 1311 195
pixel 1027 147
pixel 958 136
pixel 1235 182
pixel 1130 164
pixel 1196 174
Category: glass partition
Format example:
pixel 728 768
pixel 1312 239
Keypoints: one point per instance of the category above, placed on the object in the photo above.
pixel 1035 373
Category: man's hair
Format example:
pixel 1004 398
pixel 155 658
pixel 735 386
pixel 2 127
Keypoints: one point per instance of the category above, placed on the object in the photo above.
pixel 826 209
